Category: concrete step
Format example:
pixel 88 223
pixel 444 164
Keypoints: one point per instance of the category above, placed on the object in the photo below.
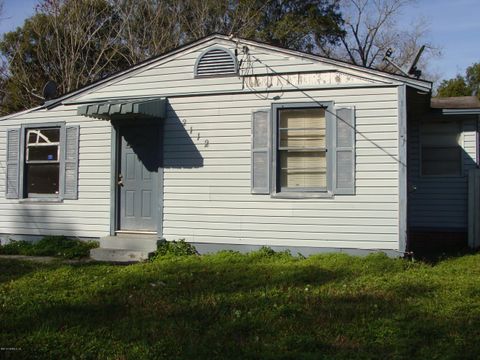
pixel 118 255
pixel 130 242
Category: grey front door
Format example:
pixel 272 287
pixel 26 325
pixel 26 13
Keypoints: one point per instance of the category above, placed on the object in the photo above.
pixel 138 180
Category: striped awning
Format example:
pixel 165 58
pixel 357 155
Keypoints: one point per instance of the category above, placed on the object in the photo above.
pixel 125 109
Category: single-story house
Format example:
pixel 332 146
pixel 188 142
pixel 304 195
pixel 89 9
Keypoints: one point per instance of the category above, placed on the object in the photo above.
pixel 232 143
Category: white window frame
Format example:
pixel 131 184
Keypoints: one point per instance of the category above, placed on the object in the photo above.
pixel 23 193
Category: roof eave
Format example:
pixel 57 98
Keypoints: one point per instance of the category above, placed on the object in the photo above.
pixel 461 111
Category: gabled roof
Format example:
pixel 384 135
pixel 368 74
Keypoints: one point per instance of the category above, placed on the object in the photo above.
pixel 416 83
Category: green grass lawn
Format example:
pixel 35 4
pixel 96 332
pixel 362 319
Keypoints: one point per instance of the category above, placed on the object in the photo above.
pixel 231 306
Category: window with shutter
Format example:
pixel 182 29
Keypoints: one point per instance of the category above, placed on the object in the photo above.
pixel 313 150
pixel 42 162
pixel 302 144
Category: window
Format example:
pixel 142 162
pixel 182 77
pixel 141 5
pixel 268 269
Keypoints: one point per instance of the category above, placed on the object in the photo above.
pixel 302 149
pixel 42 161
pixel 441 153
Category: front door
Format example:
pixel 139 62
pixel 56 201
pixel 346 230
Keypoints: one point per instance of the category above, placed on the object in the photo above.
pixel 137 178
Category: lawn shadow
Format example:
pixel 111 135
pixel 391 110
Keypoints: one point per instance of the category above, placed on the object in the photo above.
pixel 11 270
pixel 434 257
pixel 192 308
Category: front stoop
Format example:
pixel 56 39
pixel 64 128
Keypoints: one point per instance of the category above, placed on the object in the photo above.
pixel 125 248
pixel 118 255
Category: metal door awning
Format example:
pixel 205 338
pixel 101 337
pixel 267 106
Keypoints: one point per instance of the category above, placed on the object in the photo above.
pixel 126 109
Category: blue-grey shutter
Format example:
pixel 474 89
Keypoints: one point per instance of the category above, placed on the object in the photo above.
pixel 71 162
pixel 13 168
pixel 260 170
pixel 345 151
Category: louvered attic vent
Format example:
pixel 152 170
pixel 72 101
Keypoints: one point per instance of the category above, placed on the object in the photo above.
pixel 216 62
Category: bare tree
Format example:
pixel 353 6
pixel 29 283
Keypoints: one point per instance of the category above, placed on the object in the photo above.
pixel 83 40
pixel 72 42
pixel 75 42
pixel 371 28
pixel 149 28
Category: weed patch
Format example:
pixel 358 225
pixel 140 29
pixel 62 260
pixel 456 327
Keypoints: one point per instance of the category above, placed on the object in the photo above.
pixel 58 246
pixel 174 248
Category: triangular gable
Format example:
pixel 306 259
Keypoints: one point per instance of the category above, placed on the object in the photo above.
pixel 265 67
pixel 352 69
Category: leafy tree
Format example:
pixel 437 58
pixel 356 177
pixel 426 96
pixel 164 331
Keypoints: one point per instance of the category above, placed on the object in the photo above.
pixel 462 85
pixel 21 70
pixel 300 25
pixel 294 24
pixel 454 87
pixel 473 78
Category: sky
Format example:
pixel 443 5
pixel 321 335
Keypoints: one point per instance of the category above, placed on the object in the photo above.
pixel 454 26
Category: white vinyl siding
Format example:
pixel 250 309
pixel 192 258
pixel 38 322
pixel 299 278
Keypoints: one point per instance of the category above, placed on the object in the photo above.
pixel 207 160
pixel 213 203
pixel 89 216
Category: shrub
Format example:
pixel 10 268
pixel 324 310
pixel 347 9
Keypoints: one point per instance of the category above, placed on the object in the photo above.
pixel 63 247
pixel 174 248
pixel 59 246
pixel 16 248
pixel 267 252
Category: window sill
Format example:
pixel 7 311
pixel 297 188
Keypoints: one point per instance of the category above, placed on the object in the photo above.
pixel 303 195
pixel 41 200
